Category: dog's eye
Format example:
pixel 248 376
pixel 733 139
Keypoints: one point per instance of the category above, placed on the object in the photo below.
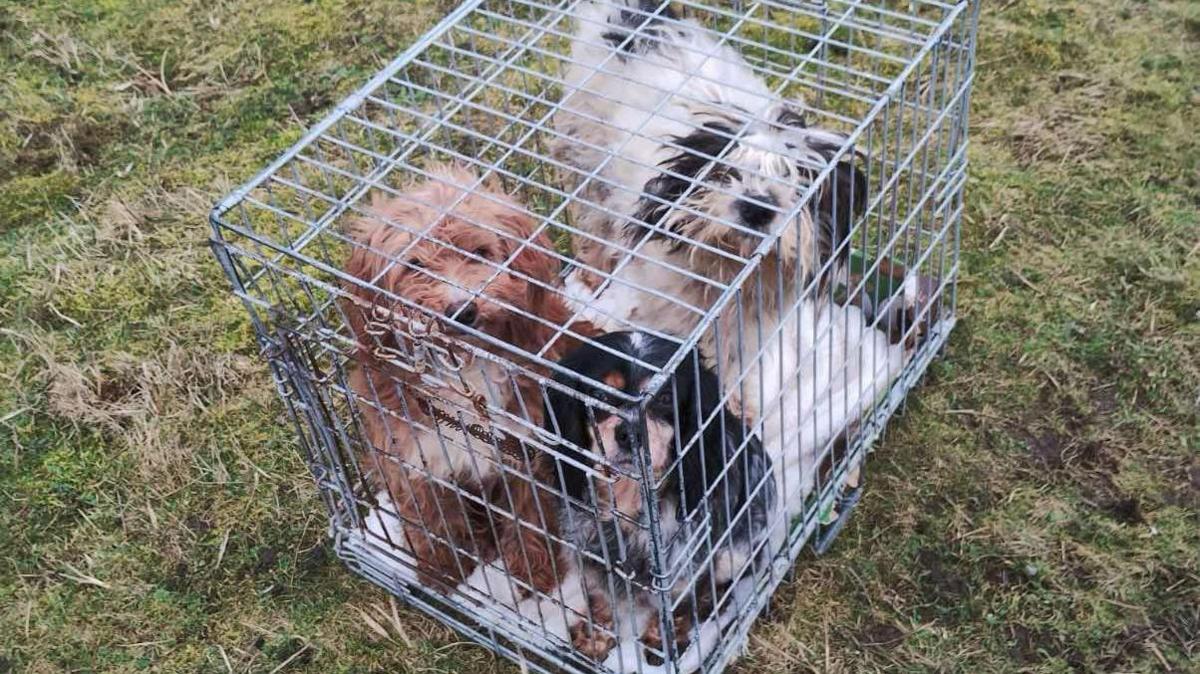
pixel 482 252
pixel 416 263
pixel 663 408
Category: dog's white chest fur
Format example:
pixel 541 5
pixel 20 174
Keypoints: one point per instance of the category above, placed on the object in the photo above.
pixel 645 293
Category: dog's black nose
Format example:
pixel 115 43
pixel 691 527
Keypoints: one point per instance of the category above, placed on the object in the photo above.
pixel 625 436
pixel 464 313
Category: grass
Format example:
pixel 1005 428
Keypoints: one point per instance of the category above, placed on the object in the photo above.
pixel 1035 507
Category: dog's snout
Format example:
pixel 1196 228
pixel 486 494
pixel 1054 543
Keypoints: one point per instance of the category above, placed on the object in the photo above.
pixel 757 211
pixel 625 436
pixel 463 312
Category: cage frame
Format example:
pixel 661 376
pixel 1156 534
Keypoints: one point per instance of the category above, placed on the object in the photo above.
pixel 287 350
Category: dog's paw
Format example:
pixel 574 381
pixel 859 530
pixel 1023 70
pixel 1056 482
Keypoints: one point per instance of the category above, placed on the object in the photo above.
pixel 921 302
pixel 653 641
pixel 592 641
pixel 652 637
pixel 907 316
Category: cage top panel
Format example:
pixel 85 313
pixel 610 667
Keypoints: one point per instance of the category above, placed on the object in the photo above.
pixel 647 146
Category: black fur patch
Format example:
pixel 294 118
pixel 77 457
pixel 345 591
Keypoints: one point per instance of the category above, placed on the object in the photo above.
pixel 627 21
pixel 663 192
pixel 842 201
pixel 615 39
pixel 791 117
pixel 710 437
pixel 823 147
pixel 632 19
pixel 757 215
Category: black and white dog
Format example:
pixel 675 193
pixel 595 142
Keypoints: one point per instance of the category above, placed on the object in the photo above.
pixel 682 152
pixel 685 162
pixel 713 490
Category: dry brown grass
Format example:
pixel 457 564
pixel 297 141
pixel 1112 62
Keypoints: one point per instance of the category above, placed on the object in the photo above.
pixel 148 405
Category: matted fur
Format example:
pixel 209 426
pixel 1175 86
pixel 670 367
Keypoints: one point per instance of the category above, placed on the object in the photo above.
pixel 462 500
pixel 697 160
pixel 695 156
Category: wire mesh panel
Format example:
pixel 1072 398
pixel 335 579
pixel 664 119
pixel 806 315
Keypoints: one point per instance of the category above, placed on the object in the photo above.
pixel 588 312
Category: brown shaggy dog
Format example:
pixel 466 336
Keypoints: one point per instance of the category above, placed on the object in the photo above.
pixel 446 424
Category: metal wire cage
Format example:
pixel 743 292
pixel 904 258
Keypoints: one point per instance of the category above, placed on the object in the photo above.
pixel 588 312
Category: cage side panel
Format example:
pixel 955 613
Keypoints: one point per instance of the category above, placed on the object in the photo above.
pixel 828 373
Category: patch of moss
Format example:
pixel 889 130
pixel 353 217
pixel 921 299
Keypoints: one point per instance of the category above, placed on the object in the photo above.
pixel 35 199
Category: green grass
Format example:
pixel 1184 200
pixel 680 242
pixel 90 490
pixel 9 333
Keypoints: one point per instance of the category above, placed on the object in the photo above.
pixel 1035 507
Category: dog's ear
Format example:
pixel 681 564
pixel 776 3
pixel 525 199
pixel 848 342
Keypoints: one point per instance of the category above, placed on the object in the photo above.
pixel 365 265
pixel 535 259
pixel 742 502
pixel 749 487
pixel 842 201
pixel 744 467
pixel 387 229
pixel 374 238
pixel 539 269
pixel 718 472
pixel 566 417
pixel 696 395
